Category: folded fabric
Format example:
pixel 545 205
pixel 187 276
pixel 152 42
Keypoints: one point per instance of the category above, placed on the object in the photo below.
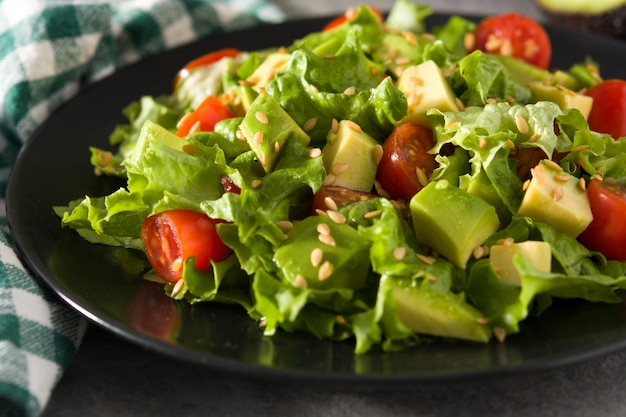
pixel 49 50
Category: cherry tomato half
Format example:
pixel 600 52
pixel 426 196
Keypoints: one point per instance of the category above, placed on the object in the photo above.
pixel 171 237
pixel 514 35
pixel 404 152
pixel 349 15
pixel 607 231
pixel 203 60
pixel 207 114
pixel 608 112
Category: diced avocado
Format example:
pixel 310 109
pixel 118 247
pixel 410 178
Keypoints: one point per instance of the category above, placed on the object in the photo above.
pixel 555 197
pixel 266 127
pixel 349 155
pixel 435 313
pixel 266 71
pixel 246 96
pixel 524 73
pixel 564 97
pixel 481 187
pixel 451 221
pixel 425 87
pixel 319 253
pixel 536 252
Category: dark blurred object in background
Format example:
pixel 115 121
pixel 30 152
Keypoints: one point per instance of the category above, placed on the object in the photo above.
pixel 607 17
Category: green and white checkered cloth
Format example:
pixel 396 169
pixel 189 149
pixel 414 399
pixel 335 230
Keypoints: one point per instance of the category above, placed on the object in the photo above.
pixel 49 49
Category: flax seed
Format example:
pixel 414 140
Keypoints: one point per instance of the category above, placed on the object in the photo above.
pixel 326 270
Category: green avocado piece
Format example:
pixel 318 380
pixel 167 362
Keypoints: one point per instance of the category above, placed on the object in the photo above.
pixel 538 253
pixel 322 254
pixel 430 312
pixel 564 97
pixel 555 197
pixel 481 187
pixel 524 73
pixel 607 17
pixel 350 156
pixel 266 127
pixel 451 221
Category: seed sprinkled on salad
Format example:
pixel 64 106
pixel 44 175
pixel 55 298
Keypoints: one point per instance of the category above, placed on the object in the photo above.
pixel 521 124
pixel 300 281
pixel 261 117
pixel 310 124
pixel 399 253
pixel 325 271
pixel 336 216
pixel 316 257
pixel 330 203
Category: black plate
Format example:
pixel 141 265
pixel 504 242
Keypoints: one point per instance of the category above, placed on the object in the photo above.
pixel 102 283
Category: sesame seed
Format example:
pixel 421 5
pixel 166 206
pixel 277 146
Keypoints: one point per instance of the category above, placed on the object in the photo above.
pixel 533 138
pixel 314 152
pixel 399 253
pixel 352 125
pixel 372 214
pixel 327 239
pixel 284 225
pixel 499 333
pixel 428 260
pixel 558 194
pixel 377 152
pixel 582 184
pixel 323 229
pixel 553 165
pixel 482 144
pixel 330 179
pixel 336 216
pixel 190 149
pixel 510 144
pixel 561 177
pixel 320 212
pixel 330 203
pixel 326 270
pixel 421 176
pixel 300 281
pixel 380 190
pixel 310 124
pixel 521 124
pixel 257 138
pixel 316 257
pixel 580 148
pixel 506 241
pixel 350 90
pixel 261 117
pixel 339 168
pixel 240 135
pixel 196 127
pixel 334 126
pixel 177 287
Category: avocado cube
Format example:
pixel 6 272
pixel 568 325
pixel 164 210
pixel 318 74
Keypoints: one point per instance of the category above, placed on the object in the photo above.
pixel 425 87
pixel 536 252
pixel 555 197
pixel 451 221
pixel 265 72
pixel 266 127
pixel 350 156
pixel 564 97
pixel 322 254
pixel 426 311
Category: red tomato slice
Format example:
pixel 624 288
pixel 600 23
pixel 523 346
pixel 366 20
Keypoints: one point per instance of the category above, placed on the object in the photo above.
pixel 204 117
pixel 349 15
pixel 171 237
pixel 338 195
pixel 514 35
pixel 404 152
pixel 203 60
pixel 607 231
pixel 608 112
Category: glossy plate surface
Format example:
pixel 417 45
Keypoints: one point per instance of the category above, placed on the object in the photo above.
pixel 102 283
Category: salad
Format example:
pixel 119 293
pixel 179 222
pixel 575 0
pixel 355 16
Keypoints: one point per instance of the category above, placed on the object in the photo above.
pixel 376 181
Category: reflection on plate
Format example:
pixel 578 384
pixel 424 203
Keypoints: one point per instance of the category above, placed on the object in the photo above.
pixel 103 283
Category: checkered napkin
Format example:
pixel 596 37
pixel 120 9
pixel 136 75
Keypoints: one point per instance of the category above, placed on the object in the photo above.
pixel 49 49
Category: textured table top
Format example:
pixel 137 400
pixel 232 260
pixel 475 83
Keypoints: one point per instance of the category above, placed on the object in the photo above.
pixel 112 377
